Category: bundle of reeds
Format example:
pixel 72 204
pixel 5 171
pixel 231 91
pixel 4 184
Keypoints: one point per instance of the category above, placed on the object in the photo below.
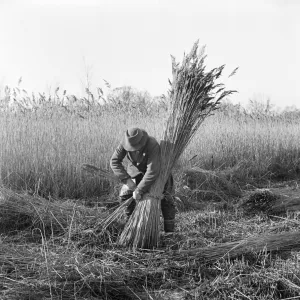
pixel 193 96
pixel 279 242
pixel 260 201
pixel 209 184
pixel 19 211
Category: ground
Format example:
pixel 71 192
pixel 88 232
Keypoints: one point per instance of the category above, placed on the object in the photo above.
pixel 37 264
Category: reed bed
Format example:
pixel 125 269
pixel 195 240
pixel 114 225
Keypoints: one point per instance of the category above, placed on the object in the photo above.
pixel 43 153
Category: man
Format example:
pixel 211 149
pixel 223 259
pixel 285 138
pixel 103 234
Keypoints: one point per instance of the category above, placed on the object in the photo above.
pixel 143 153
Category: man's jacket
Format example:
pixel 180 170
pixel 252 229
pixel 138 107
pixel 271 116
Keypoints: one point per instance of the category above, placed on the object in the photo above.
pixel 146 162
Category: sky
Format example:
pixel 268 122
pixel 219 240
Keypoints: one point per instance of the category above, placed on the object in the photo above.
pixel 52 43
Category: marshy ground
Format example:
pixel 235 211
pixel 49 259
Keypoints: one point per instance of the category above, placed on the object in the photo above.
pixel 38 262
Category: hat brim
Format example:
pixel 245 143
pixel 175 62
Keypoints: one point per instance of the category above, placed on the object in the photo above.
pixel 128 147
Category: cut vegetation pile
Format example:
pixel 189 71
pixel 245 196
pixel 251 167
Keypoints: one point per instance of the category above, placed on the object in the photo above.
pixel 266 243
pixel 211 185
pixel 20 211
pixel 56 268
pixel 259 201
pixel 272 201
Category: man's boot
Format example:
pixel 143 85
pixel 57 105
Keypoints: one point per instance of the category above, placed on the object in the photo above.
pixel 169 226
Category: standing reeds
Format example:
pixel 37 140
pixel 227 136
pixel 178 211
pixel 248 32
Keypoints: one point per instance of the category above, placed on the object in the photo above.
pixel 193 96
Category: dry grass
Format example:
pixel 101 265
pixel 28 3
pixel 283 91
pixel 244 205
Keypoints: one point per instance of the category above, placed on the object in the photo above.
pixel 49 216
pixel 259 201
pixel 211 185
pixel 57 268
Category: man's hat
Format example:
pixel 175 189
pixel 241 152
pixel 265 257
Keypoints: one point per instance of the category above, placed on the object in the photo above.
pixel 135 139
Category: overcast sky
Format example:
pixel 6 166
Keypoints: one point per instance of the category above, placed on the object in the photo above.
pixel 129 42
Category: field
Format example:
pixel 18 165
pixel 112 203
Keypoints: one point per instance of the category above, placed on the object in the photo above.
pixel 47 252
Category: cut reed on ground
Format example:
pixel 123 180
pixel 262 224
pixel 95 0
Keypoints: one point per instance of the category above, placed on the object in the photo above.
pixel 209 184
pixel 280 242
pixel 194 95
pixel 50 216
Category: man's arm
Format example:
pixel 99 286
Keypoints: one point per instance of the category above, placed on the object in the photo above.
pixel 116 163
pixel 153 169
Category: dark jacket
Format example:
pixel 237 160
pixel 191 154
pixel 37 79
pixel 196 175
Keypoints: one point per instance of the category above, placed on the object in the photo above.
pixel 146 162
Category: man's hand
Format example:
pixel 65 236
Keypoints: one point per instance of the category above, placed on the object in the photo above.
pixel 130 183
pixel 137 195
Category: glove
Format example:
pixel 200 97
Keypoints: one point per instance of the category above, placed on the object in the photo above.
pixel 137 195
pixel 131 185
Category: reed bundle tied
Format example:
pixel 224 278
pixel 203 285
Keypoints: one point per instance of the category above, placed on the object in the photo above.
pixel 19 211
pixel 278 242
pixel 209 184
pixel 259 201
pixel 194 95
